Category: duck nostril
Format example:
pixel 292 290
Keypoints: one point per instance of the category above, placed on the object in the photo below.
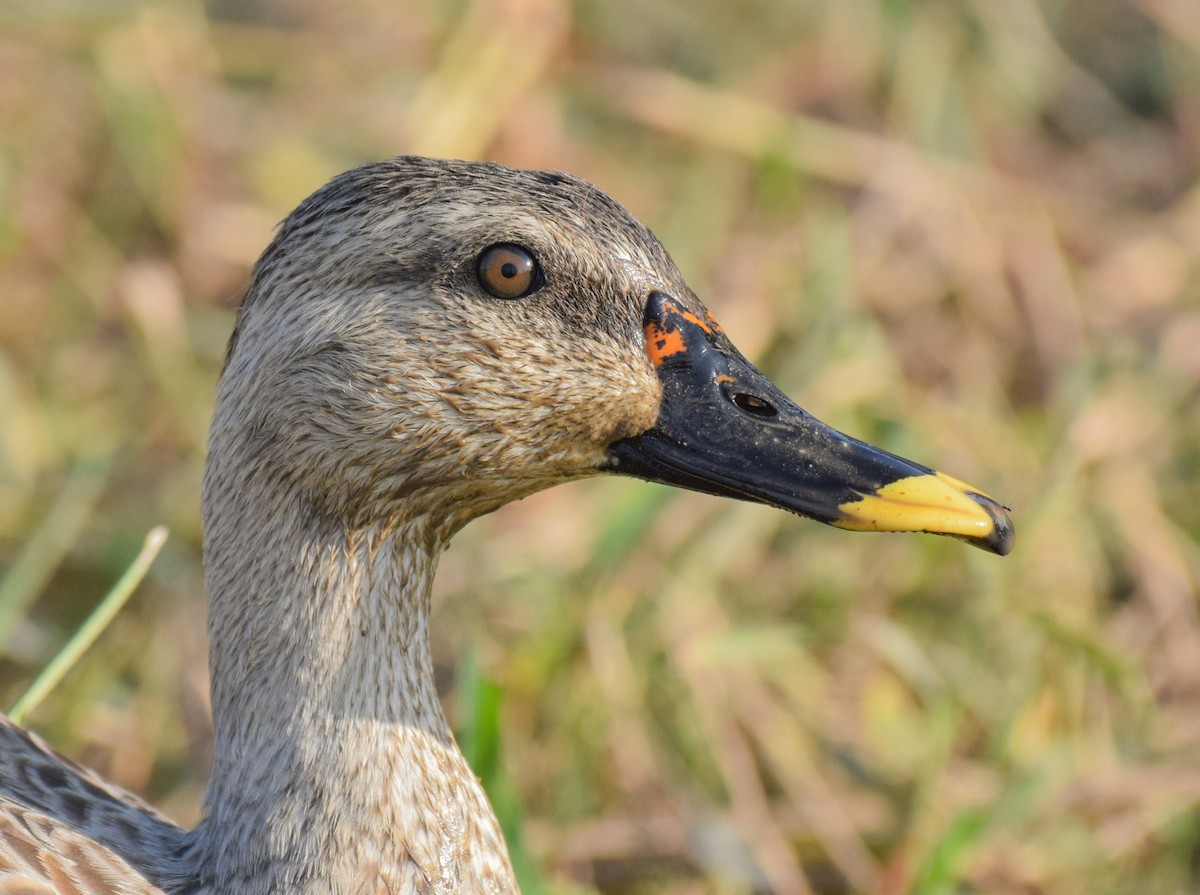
pixel 753 404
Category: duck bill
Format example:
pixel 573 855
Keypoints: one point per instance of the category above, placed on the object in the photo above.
pixel 723 428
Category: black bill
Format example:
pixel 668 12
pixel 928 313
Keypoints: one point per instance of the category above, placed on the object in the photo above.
pixel 723 428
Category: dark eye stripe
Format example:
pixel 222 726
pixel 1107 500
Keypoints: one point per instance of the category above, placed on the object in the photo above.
pixel 509 271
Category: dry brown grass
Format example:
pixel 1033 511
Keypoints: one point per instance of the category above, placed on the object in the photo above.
pixel 968 231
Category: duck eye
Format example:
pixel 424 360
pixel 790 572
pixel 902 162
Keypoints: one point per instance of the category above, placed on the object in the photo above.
pixel 509 271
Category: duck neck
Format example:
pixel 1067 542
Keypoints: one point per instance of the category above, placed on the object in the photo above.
pixel 334 769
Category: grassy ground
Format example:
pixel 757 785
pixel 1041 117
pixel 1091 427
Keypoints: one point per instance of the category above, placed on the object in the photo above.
pixel 968 231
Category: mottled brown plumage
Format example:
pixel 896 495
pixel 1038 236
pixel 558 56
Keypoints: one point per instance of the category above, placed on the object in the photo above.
pixel 374 400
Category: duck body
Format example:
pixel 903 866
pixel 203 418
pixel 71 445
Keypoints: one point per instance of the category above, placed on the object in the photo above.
pixel 422 342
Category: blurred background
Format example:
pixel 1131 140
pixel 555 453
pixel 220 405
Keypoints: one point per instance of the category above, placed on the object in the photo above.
pixel 966 230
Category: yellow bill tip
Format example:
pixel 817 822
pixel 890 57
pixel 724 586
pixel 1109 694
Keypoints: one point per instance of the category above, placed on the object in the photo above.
pixel 934 503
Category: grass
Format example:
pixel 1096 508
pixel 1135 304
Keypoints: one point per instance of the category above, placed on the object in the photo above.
pixel 99 619
pixel 964 230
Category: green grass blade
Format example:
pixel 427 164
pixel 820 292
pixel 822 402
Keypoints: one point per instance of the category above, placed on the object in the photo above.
pixel 100 618
pixel 939 872
pixel 480 702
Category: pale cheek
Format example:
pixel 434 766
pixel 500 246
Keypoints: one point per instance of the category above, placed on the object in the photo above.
pixel 635 400
pixel 537 411
pixel 622 406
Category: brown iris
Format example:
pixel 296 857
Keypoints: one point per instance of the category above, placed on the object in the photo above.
pixel 509 271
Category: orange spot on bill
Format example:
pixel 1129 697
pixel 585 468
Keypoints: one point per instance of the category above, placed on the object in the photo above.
pixel 708 322
pixel 666 340
pixel 692 318
pixel 663 343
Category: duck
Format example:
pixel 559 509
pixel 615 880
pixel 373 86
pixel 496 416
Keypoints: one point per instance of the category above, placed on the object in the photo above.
pixel 422 342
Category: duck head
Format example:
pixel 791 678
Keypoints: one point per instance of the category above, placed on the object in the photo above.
pixel 444 337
